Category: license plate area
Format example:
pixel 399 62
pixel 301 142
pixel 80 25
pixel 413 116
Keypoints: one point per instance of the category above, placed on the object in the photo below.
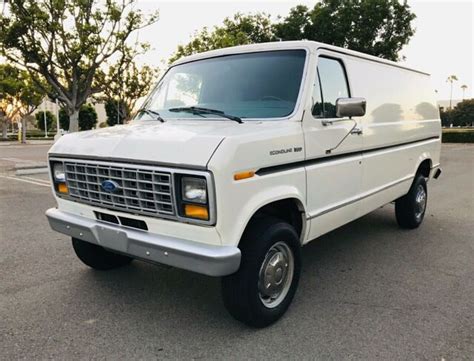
pixel 112 238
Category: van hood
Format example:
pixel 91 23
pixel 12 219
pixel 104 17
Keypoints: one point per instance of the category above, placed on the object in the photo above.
pixel 179 143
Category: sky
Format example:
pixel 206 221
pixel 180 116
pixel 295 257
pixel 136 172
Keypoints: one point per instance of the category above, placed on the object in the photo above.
pixel 442 44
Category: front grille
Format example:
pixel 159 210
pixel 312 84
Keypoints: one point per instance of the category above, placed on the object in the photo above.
pixel 141 190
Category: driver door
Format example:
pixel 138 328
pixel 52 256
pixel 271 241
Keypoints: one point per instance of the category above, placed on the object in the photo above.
pixel 333 158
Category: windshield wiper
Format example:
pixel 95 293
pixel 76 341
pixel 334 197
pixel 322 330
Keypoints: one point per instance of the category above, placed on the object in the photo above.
pixel 154 114
pixel 199 111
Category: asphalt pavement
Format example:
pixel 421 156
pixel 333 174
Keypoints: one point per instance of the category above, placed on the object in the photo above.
pixel 368 291
pixel 14 156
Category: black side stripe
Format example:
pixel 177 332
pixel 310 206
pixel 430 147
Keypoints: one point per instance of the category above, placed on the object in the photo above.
pixel 308 162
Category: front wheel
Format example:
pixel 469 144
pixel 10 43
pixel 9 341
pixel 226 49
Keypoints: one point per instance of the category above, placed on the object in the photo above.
pixel 410 209
pixel 260 292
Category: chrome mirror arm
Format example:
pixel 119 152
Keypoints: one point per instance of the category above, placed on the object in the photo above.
pixel 332 121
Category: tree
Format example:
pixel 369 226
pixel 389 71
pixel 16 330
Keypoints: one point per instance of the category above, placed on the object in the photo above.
pixel 63 119
pixel 69 43
pixel 122 93
pixel 376 27
pixel 19 96
pixel 463 87
pixel 451 79
pixel 463 113
pixel 115 112
pixel 445 116
pixel 50 120
pixel 239 30
pixel 87 118
pixel 8 88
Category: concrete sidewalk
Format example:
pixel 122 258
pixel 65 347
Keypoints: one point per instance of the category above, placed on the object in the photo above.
pixel 28 142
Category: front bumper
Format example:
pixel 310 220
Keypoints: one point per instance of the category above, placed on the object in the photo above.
pixel 198 257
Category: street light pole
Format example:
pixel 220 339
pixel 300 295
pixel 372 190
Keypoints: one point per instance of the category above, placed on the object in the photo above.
pixel 44 118
pixel 57 116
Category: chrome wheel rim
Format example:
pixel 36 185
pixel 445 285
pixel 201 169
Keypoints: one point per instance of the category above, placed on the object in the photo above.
pixel 420 202
pixel 276 275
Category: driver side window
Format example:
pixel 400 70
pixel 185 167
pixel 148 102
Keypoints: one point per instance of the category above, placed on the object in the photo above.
pixel 331 84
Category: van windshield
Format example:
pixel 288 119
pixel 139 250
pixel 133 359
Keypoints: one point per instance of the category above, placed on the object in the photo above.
pixel 254 85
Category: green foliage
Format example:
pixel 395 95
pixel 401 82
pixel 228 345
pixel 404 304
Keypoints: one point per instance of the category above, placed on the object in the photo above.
pixel 63 119
pixel 376 27
pixel 17 88
pixel 458 136
pixel 463 113
pixel 9 84
pixel 239 30
pixel 20 95
pixel 50 120
pixel 69 43
pixel 111 111
pixel 131 84
pixel 445 116
pixel 87 118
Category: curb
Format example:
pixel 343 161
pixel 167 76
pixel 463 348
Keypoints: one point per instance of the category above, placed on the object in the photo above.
pixel 29 171
pixel 32 165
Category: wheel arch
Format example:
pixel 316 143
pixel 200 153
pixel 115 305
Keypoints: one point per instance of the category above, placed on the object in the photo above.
pixel 290 209
pixel 424 165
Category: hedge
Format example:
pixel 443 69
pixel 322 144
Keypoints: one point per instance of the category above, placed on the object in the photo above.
pixel 458 136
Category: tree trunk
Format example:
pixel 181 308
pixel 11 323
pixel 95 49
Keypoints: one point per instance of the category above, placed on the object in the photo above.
pixel 23 130
pixel 74 121
pixel 4 128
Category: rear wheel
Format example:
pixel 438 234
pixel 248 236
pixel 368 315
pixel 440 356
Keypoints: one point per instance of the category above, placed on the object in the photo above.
pixel 260 292
pixel 410 209
pixel 98 257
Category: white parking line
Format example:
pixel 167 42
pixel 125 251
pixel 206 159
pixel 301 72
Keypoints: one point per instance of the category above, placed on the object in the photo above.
pixel 17 160
pixel 45 181
pixel 458 148
pixel 26 181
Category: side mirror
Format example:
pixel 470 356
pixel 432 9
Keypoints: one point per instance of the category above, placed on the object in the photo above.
pixel 350 107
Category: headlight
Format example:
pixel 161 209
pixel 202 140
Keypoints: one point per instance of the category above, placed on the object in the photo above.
pixel 194 190
pixel 58 172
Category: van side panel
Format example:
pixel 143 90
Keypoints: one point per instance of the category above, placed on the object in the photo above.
pixel 401 128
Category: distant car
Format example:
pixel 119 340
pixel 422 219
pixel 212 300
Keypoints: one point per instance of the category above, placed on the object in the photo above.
pixel 240 157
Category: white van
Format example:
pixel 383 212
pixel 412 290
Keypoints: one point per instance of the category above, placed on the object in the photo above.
pixel 240 157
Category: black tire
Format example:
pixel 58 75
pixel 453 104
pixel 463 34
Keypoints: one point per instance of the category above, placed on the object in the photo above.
pixel 240 290
pixel 98 257
pixel 408 209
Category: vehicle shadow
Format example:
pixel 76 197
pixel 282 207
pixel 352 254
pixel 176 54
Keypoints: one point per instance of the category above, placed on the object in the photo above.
pixel 185 303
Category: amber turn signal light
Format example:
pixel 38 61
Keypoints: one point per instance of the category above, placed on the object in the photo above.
pixel 194 211
pixel 62 188
pixel 244 175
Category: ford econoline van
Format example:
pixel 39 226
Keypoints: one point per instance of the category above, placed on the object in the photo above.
pixel 241 156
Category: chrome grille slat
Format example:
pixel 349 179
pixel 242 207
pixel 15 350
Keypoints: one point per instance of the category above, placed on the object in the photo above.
pixel 143 191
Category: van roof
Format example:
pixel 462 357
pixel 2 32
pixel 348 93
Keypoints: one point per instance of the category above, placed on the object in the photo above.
pixel 281 45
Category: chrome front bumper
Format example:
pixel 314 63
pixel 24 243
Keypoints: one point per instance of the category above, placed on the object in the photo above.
pixel 198 257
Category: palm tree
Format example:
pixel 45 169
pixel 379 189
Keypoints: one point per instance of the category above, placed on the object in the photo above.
pixel 463 87
pixel 451 79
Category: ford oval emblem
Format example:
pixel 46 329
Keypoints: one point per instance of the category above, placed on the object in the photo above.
pixel 109 186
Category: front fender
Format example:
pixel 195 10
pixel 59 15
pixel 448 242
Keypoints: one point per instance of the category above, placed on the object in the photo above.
pixel 248 196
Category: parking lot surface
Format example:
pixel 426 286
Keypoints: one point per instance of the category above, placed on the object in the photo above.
pixel 368 290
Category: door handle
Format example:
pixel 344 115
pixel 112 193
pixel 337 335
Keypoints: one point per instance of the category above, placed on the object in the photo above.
pixel 357 131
